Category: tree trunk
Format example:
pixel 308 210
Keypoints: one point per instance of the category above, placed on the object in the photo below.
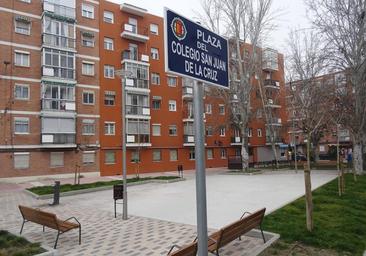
pixel 357 158
pixel 316 153
pixel 244 156
pixel 309 200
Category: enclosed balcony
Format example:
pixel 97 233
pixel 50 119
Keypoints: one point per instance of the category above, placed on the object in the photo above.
pixel 131 9
pixel 187 93
pixel 133 32
pixel 271 103
pixel 138 140
pixel 58 41
pixel 274 122
pixel 58 130
pixel 58 10
pixel 138 111
pixel 188 140
pixel 269 59
pixel 272 84
pixel 58 138
pixel 276 139
pixel 135 56
pixel 58 105
pixel 236 141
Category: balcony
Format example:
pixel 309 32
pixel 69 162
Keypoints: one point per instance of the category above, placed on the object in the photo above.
pixel 132 83
pixel 134 56
pixel 270 60
pixel 58 41
pixel 274 122
pixel 58 72
pixel 140 111
pixel 273 84
pixel 59 10
pixel 138 140
pixel 187 93
pixel 58 105
pixel 129 8
pixel 58 138
pixel 277 140
pixel 188 140
pixel 132 32
pixel 236 141
pixel 273 103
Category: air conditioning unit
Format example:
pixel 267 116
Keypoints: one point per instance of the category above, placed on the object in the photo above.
pixel 145 58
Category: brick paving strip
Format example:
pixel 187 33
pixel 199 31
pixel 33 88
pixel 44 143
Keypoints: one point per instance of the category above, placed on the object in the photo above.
pixel 102 234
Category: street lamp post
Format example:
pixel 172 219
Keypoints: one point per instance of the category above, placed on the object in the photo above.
pixel 123 74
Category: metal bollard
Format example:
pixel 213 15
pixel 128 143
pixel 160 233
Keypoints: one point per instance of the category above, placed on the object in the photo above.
pixel 56 193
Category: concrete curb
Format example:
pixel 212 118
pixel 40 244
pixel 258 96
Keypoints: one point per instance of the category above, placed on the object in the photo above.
pixel 364 253
pixel 270 239
pixel 90 190
pixel 49 251
pixel 243 173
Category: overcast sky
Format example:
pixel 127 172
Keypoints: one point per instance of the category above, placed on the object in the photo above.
pixel 292 14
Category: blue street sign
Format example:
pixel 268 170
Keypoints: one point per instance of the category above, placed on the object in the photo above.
pixel 195 52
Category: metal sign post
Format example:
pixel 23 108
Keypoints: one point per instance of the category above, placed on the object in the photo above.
pixel 123 74
pixel 194 52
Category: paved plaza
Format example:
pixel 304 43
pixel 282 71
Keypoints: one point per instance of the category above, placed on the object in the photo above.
pixel 159 214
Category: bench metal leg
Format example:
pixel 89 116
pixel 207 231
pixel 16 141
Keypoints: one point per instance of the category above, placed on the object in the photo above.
pixel 43 228
pixel 58 234
pixel 115 211
pixel 264 239
pixel 21 230
pixel 79 234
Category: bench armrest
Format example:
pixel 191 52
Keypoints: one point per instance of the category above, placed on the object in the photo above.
pixel 209 239
pixel 174 245
pixel 72 218
pixel 244 214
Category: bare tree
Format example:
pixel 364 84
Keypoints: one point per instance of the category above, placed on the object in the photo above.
pixel 306 62
pixel 245 24
pixel 343 24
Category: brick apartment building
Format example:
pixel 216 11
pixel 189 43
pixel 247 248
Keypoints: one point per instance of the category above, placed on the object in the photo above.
pixel 60 100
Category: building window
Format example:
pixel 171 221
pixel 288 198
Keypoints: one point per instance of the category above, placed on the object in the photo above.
pixel 154 53
pixel 208 109
pixel 108 44
pixel 21 125
pixel 109 98
pixel 192 154
pixel 173 130
pixel 108 17
pixel 109 71
pixel 57 159
pixel 22 27
pixel 259 132
pixel 222 131
pixel 155 78
pixel 26 1
pixel 156 104
pixel 209 130
pixel 135 156
pixel 88 157
pixel 21 160
pixel 156 129
pixel 88 127
pixel 222 109
pixel 259 113
pixel 21 92
pixel 172 105
pixel 250 132
pixel 87 39
pixel 87 11
pixel 110 157
pixel 22 59
pixel 172 81
pixel 156 155
pixel 154 29
pixel 173 155
pixel 223 153
pixel 87 68
pixel 109 128
pixel 209 153
pixel 59 63
pixel 88 97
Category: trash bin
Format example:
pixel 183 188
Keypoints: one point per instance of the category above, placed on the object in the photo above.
pixel 117 195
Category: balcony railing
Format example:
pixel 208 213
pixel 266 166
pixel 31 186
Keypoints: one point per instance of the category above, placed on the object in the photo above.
pixel 63 73
pixel 236 139
pixel 58 41
pixel 276 139
pixel 273 103
pixel 133 32
pixel 187 92
pixel 134 55
pixel 58 105
pixel 137 83
pixel 58 138
pixel 188 138
pixel 138 138
pixel 275 121
pixel 137 110
pixel 59 10
pixel 272 83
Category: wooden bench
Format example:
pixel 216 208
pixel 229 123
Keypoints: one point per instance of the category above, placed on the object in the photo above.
pixel 235 230
pixel 49 220
pixel 187 250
